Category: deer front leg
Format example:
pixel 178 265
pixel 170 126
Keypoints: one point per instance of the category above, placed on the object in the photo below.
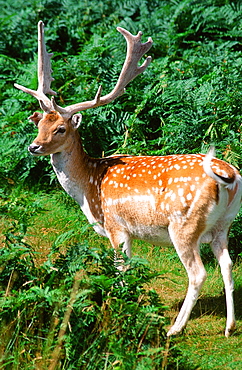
pixel 117 238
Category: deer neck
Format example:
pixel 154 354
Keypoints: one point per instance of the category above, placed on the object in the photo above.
pixel 76 172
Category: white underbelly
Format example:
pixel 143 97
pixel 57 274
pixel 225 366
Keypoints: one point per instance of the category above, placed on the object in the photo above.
pixel 156 235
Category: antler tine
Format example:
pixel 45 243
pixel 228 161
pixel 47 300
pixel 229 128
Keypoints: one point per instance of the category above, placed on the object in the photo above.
pixel 44 64
pixel 135 50
pixel 44 74
pixel 67 112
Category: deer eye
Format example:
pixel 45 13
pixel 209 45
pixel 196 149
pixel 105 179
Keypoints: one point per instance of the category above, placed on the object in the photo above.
pixel 60 130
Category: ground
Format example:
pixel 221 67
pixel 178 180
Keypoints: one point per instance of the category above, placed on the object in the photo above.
pixel 203 341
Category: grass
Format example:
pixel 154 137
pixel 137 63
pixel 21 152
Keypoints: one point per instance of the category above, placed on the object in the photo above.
pixel 203 341
pixel 55 219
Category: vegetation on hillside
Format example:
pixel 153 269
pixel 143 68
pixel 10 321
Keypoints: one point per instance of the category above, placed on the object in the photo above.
pixel 187 99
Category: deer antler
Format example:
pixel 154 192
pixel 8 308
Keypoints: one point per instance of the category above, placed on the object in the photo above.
pixel 135 51
pixel 44 73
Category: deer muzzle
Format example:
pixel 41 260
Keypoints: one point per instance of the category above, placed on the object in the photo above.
pixel 35 149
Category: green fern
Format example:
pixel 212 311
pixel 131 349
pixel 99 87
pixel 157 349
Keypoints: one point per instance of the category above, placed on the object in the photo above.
pixel 189 96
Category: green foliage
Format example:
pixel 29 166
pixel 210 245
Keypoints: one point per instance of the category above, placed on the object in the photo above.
pixel 188 98
pixel 79 304
pixel 72 307
pixel 190 95
pixel 235 240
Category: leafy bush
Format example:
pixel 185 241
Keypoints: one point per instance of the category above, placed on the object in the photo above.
pixel 235 240
pixel 76 311
pixel 190 95
pixel 188 98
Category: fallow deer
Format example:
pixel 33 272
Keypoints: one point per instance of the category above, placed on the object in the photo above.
pixel 182 200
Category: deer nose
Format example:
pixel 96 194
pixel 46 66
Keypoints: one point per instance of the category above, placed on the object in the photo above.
pixel 33 148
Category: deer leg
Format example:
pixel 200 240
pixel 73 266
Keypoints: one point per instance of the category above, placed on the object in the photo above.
pixel 220 249
pixel 118 238
pixel 190 257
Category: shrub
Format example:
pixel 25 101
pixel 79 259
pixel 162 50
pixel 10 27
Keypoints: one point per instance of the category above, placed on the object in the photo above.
pixel 187 99
pixel 75 311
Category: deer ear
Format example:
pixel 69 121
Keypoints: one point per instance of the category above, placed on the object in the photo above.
pixel 36 117
pixel 76 120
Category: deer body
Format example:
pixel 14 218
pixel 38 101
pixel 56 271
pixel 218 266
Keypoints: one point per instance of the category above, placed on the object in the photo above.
pixel 176 199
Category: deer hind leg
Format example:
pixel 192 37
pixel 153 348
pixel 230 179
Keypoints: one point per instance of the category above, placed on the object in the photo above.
pixel 188 251
pixel 220 249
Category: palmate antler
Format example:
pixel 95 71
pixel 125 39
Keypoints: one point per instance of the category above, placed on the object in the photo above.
pixel 135 51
